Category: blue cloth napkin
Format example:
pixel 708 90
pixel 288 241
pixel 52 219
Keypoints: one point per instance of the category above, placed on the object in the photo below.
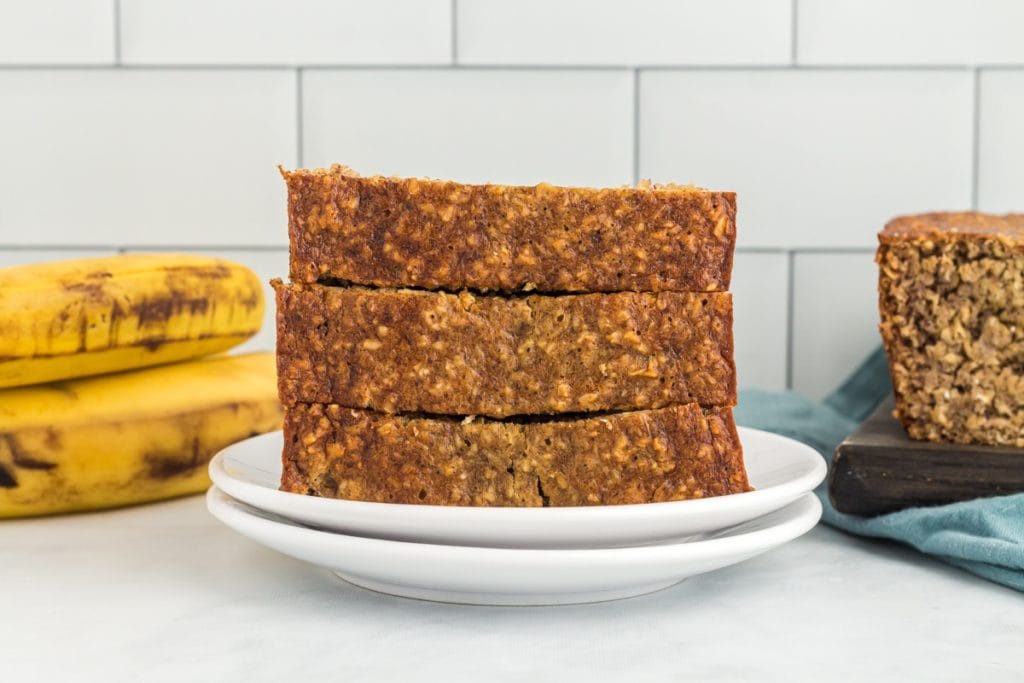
pixel 983 536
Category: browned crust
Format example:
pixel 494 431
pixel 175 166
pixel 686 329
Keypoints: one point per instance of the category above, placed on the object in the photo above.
pixel 461 354
pixel 954 226
pixel 675 453
pixel 437 234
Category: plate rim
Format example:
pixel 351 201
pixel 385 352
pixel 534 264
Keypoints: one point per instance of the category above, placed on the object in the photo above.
pixel 796 525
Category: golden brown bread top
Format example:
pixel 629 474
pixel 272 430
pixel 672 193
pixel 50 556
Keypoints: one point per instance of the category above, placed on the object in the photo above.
pixel 946 226
pixel 438 234
pixel 336 171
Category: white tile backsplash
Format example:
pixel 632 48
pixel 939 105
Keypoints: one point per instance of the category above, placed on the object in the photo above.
pixel 819 158
pixel 503 126
pixel 56 32
pixel 918 32
pixel 1001 142
pixel 612 32
pixel 760 282
pixel 286 32
pixel 178 147
pixel 145 157
pixel 835 318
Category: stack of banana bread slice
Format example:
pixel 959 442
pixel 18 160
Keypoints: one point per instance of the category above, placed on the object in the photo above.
pixel 453 344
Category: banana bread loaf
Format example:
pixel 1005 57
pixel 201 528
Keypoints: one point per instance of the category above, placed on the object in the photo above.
pixel 951 295
pixel 437 234
pixel 639 457
pixel 462 354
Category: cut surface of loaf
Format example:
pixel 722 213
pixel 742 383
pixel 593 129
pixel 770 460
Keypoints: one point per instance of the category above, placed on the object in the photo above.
pixel 951 297
pixel 438 234
pixel 399 351
pixel 675 453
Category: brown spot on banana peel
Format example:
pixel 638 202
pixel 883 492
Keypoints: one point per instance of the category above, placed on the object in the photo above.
pixel 91 291
pixel 249 303
pixel 53 437
pixel 167 466
pixel 216 272
pixel 83 332
pixel 153 344
pixel 21 458
pixel 163 308
pixel 162 467
pixel 7 480
pixel 34 464
pixel 159 309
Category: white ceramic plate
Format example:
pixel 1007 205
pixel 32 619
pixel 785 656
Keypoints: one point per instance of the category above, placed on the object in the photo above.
pixel 512 576
pixel 779 468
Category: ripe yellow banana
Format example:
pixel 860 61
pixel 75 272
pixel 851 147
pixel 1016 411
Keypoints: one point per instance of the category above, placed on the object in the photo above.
pixel 89 316
pixel 129 437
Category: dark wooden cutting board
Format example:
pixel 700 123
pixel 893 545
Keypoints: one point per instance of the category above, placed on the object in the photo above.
pixel 878 469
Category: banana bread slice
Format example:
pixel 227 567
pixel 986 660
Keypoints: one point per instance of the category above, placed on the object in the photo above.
pixel 951 296
pixel 437 234
pixel 647 456
pixel 399 351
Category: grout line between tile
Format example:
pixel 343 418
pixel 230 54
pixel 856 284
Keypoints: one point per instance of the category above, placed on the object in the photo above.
pixel 794 17
pixel 443 66
pixel 833 250
pixel 455 31
pixel 117 32
pixel 636 126
pixel 1000 67
pixel 790 296
pixel 761 250
pixel 298 118
pixel 976 140
pixel 151 67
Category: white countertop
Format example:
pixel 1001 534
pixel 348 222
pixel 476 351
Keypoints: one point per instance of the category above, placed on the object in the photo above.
pixel 166 593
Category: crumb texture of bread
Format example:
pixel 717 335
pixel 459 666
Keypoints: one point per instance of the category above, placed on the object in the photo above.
pixel 398 351
pixel 437 234
pixel 676 453
pixel 951 298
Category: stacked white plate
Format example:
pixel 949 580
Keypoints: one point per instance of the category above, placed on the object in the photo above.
pixel 520 556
